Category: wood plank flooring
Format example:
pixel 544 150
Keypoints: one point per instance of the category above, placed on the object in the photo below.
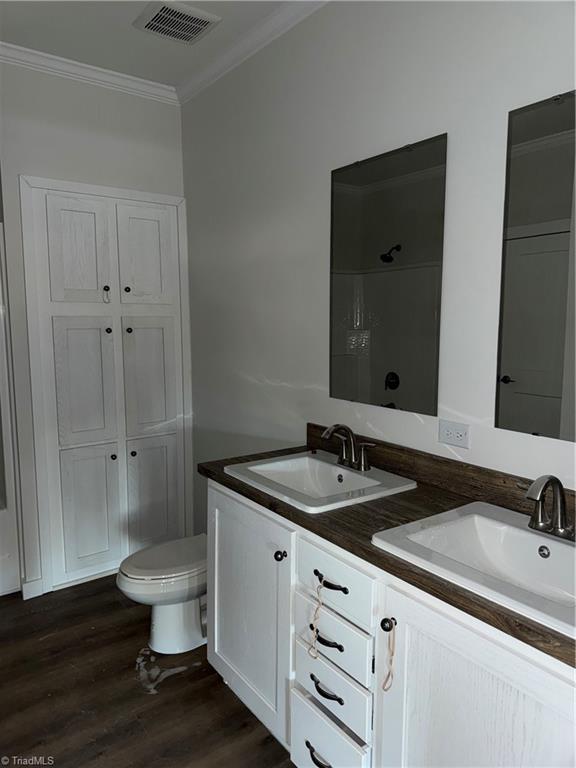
pixel 70 690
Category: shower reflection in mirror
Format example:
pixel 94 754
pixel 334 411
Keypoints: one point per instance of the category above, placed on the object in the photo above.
pixel 535 383
pixel 386 270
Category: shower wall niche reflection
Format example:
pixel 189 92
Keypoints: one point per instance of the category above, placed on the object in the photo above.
pixel 386 277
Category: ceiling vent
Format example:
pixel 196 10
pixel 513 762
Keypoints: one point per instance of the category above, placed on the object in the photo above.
pixel 176 21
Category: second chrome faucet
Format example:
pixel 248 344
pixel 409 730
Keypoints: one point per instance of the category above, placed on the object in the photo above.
pixel 556 522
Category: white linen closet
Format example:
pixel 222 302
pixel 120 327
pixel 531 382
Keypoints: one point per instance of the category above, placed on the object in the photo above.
pixel 106 284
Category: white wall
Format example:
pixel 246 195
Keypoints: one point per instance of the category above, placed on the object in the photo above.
pixel 59 128
pixel 351 81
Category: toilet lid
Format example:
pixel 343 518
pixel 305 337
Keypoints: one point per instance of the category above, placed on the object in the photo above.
pixel 181 557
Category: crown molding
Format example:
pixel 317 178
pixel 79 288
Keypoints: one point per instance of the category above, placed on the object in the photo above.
pixel 290 14
pixel 86 73
pixel 271 28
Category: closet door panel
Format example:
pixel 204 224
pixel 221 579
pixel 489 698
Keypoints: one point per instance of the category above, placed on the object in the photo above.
pixel 149 375
pixel 85 379
pixel 153 492
pixel 90 506
pixel 81 248
pixel 148 253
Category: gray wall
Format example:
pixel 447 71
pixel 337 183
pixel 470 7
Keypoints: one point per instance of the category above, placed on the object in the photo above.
pixel 351 81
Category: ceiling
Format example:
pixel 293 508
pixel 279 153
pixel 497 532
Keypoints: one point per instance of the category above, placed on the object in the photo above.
pixel 101 34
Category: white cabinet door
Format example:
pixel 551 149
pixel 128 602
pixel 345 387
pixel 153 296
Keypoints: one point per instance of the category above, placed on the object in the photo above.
pixel 249 605
pixel 466 695
pixel 154 496
pixel 148 253
pixel 149 375
pixel 85 381
pixel 81 248
pixel 90 506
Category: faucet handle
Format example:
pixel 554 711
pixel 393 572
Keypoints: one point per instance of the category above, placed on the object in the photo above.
pixel 363 463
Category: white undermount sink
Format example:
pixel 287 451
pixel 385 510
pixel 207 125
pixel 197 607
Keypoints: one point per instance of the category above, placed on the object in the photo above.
pixel 491 551
pixel 315 482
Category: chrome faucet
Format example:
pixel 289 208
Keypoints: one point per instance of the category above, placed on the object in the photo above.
pixel 352 454
pixel 556 523
pixel 348 450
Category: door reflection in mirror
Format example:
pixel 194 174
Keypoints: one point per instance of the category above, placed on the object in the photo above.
pixel 386 271
pixel 535 384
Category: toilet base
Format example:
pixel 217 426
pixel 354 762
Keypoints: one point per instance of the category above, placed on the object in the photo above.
pixel 177 628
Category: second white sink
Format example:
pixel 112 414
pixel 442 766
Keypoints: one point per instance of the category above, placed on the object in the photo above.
pixel 491 551
pixel 315 482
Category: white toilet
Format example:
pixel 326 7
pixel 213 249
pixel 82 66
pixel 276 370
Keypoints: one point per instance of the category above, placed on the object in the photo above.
pixel 171 577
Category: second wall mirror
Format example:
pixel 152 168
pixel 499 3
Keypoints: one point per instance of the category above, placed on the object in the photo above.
pixel 535 387
pixel 386 277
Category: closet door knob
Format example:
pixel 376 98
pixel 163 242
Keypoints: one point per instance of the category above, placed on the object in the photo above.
pixel 108 330
pixel 128 330
pixel 127 289
pixel 133 453
pixel 279 555
pixel 113 457
pixel 106 288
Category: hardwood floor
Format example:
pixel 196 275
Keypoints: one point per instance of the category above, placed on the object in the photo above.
pixel 71 689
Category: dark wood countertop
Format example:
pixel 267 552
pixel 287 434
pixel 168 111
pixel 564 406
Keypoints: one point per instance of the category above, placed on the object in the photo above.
pixel 351 528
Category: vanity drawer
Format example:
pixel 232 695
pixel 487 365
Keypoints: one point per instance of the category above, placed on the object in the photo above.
pixel 354 648
pixel 318 676
pixel 355 599
pixel 317 741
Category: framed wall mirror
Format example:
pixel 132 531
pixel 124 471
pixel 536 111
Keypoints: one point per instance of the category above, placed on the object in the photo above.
pixel 535 385
pixel 387 236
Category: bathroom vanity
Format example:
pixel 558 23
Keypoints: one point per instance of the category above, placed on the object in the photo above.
pixel 353 657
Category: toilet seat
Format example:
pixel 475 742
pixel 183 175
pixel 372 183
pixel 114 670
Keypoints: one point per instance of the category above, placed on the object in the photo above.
pixel 171 578
pixel 174 560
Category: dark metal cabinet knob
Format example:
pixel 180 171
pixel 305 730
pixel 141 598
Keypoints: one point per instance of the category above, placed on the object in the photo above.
pixel 133 453
pixel 106 288
pixel 108 330
pixel 388 624
pixel 279 555
pixel 129 330
pixel 113 457
pixel 506 379
pixel 127 289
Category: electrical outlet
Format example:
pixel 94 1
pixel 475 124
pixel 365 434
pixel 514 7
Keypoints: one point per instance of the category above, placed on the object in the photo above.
pixel 454 433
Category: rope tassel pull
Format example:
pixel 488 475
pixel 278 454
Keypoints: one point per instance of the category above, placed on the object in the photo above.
pixel 389 626
pixel 313 644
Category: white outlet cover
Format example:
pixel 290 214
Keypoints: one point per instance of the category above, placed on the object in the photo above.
pixel 454 433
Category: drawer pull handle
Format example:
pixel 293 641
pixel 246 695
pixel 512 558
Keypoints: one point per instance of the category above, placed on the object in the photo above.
pixel 327 643
pixel 328 584
pixel 316 760
pixel 324 693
